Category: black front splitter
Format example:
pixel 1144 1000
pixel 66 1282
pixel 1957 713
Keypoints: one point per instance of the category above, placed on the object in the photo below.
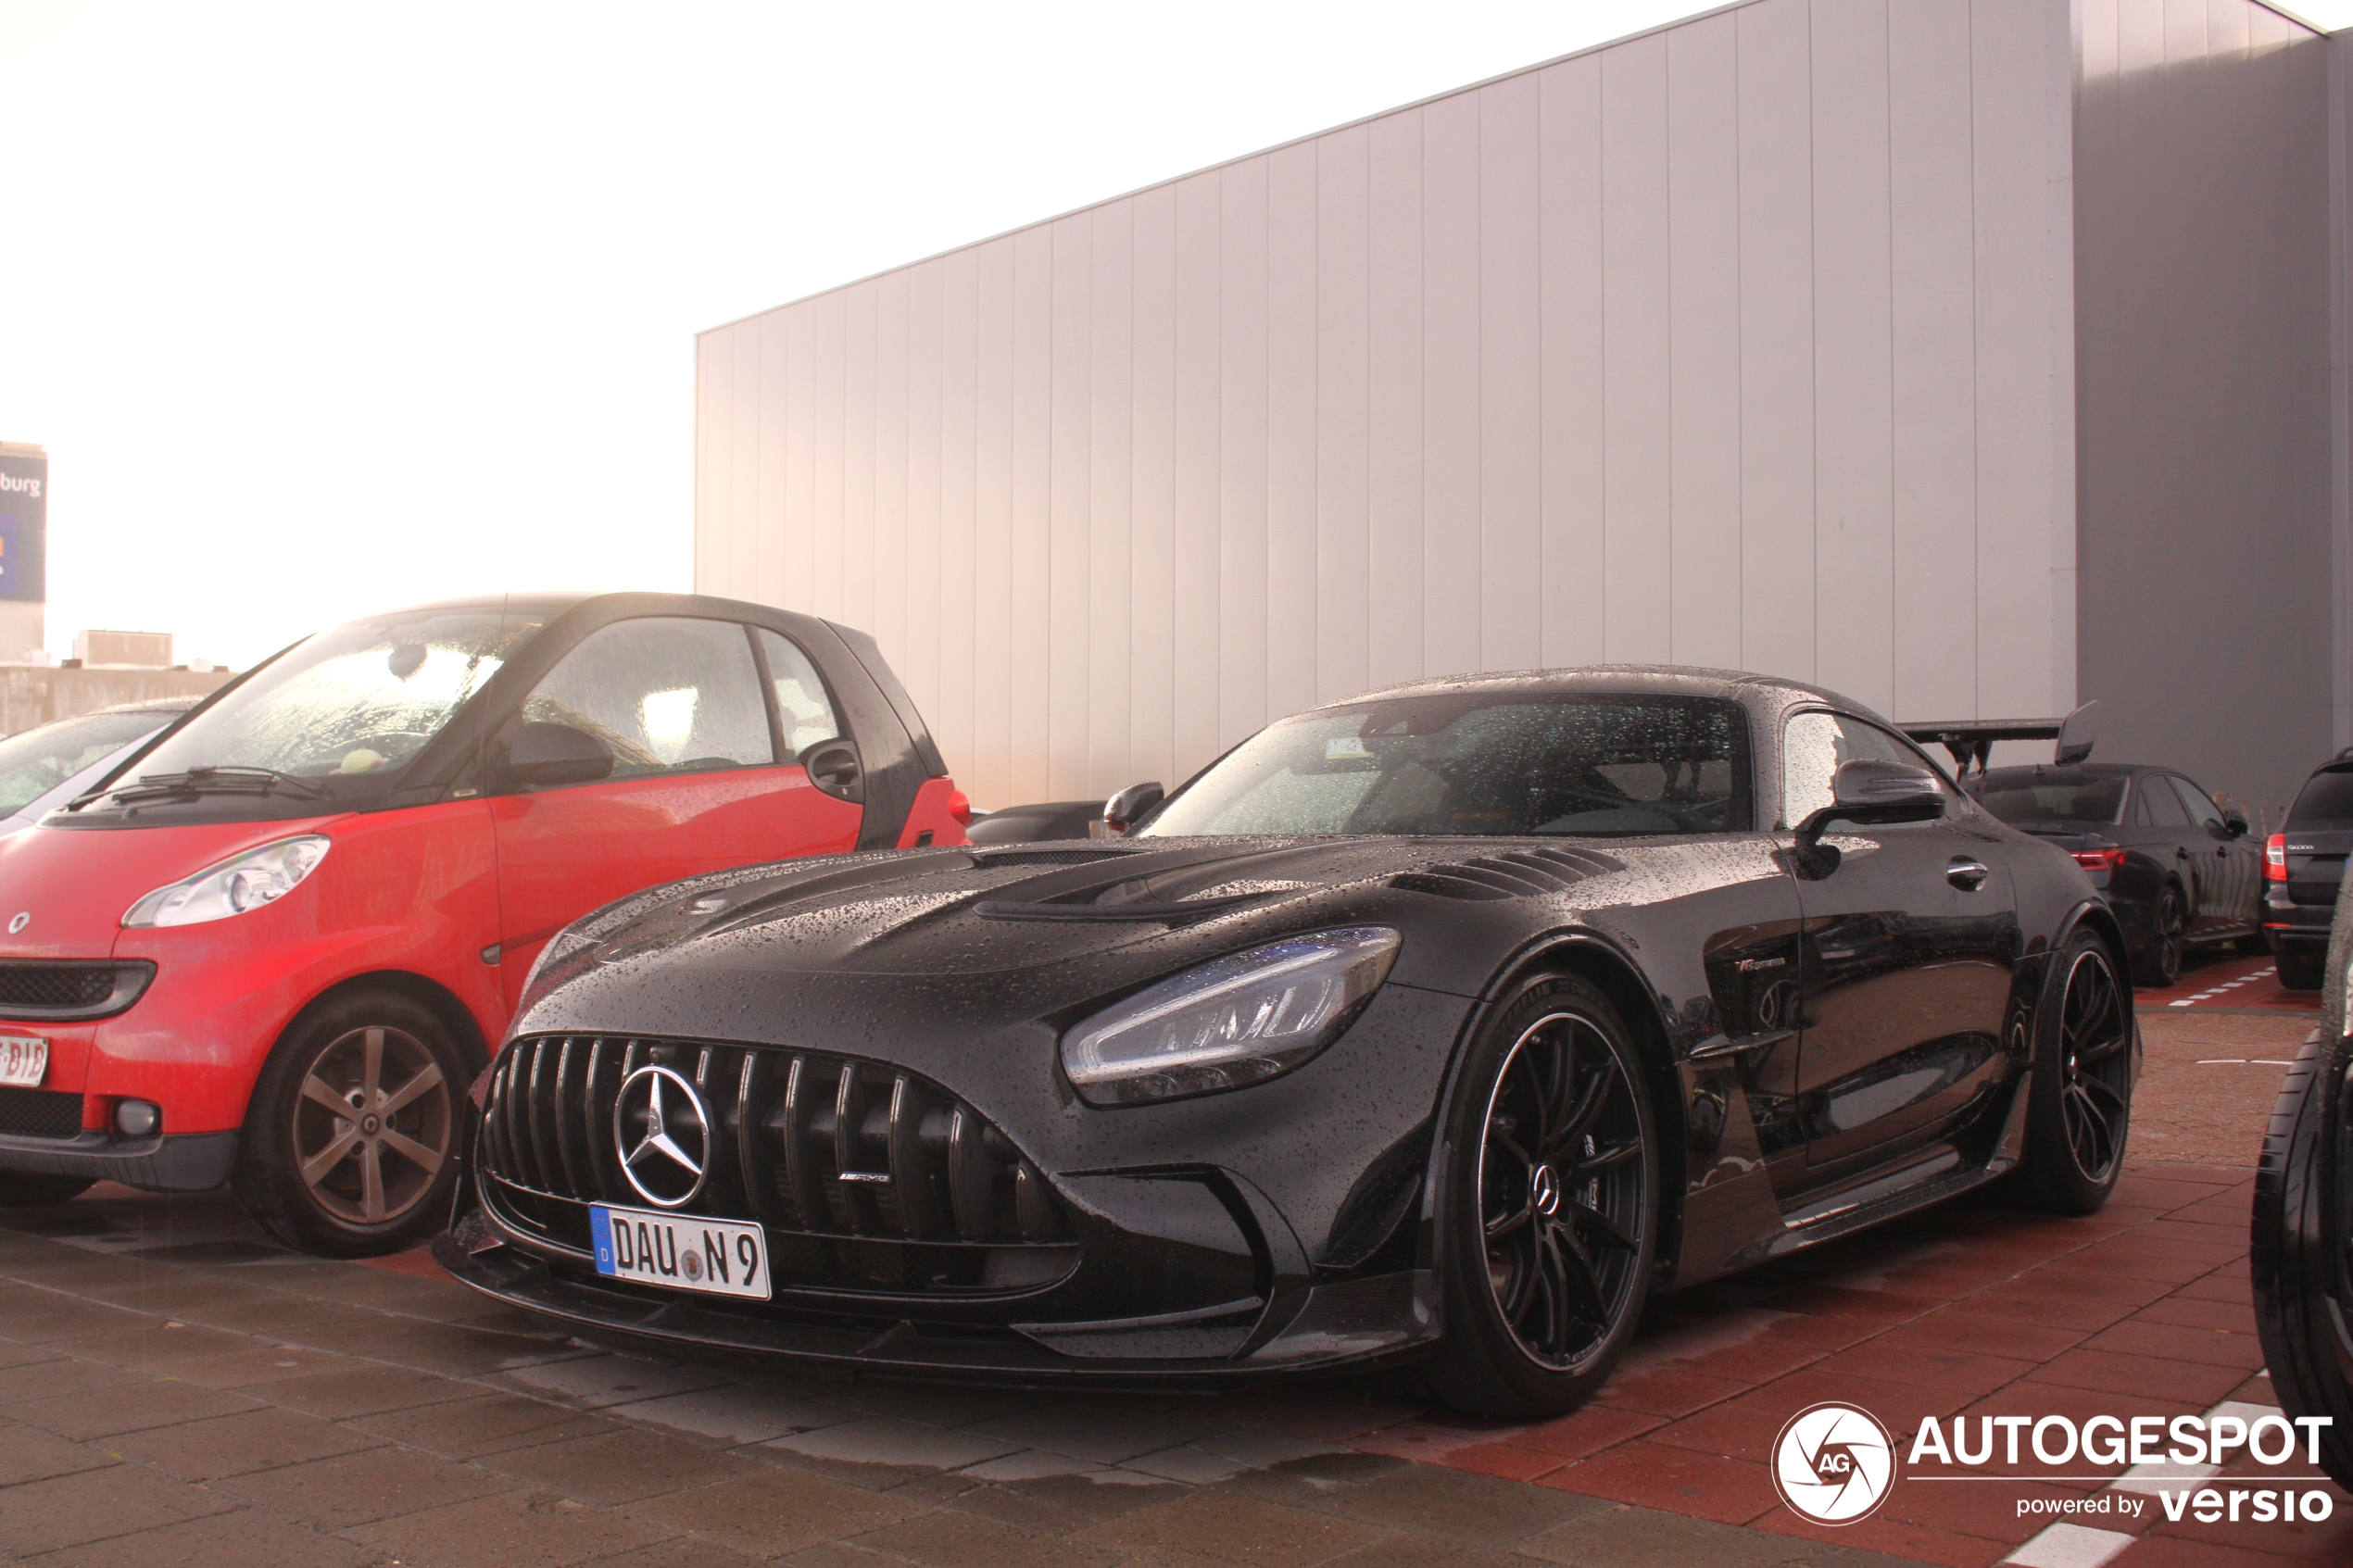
pixel 1320 1343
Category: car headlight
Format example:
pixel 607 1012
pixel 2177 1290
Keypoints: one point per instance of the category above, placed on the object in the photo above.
pixel 235 886
pixel 1231 1022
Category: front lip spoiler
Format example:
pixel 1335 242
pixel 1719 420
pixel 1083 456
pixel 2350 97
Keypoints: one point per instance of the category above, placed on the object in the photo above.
pixel 1316 1343
pixel 174 1163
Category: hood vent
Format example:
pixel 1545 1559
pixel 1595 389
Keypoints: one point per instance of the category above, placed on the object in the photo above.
pixel 1523 873
pixel 1023 856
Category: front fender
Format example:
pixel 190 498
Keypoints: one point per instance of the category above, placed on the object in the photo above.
pixel 196 1042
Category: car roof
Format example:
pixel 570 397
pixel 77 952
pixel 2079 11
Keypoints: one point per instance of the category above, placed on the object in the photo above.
pixel 528 604
pixel 553 604
pixel 2073 772
pixel 152 705
pixel 161 707
pixel 1674 680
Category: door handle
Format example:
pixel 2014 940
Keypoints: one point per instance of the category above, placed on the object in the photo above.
pixel 1966 875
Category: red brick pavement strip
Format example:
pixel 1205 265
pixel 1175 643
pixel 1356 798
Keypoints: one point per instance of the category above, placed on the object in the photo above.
pixel 2142 1310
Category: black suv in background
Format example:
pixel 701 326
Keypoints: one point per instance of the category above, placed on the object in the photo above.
pixel 2302 865
pixel 2176 867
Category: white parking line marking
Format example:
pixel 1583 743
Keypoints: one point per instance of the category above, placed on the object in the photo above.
pixel 2161 1476
pixel 2071 1546
pixel 2227 985
pixel 2166 1476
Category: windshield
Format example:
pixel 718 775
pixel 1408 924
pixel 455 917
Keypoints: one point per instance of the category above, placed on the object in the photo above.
pixel 38 760
pixel 2326 801
pixel 1504 764
pixel 349 707
pixel 2025 798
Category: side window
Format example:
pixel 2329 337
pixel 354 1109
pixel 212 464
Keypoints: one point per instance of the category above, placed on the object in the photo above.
pixel 2200 807
pixel 2137 814
pixel 804 712
pixel 2164 807
pixel 667 694
pixel 1813 744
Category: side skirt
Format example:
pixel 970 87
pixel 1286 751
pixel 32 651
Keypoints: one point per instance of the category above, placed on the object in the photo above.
pixel 1933 1174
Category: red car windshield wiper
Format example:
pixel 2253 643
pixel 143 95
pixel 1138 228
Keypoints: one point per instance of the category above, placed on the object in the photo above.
pixel 225 779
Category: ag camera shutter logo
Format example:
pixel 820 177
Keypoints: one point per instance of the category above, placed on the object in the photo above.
pixel 1833 1464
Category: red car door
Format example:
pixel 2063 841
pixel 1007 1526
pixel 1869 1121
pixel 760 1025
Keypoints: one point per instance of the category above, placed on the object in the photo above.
pixel 703 775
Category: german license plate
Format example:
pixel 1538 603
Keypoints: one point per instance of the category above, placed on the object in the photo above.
pixel 24 1060
pixel 680 1251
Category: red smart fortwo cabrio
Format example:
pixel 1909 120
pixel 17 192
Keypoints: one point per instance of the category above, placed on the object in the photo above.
pixel 276 951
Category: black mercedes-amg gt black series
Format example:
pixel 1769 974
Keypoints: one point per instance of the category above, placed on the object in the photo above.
pixel 1443 1025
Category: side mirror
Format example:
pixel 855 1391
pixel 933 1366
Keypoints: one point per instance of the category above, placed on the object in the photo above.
pixel 1873 793
pixel 2077 733
pixel 1124 811
pixel 834 768
pixel 538 755
pixel 2235 823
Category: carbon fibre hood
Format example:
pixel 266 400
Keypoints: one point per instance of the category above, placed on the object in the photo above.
pixel 1028 931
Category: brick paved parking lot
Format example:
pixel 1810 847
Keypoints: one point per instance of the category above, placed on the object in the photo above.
pixel 173 1391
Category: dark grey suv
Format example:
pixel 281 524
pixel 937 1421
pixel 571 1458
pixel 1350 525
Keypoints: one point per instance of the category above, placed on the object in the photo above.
pixel 2302 865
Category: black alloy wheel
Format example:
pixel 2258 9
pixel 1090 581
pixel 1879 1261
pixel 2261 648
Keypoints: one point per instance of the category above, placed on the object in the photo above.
pixel 1553 1206
pixel 349 1144
pixel 2160 962
pixel 2096 1037
pixel 2080 1113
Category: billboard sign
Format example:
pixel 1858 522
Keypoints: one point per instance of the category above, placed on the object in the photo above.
pixel 24 528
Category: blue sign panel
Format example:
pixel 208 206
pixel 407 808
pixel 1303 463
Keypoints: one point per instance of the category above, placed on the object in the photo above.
pixel 24 512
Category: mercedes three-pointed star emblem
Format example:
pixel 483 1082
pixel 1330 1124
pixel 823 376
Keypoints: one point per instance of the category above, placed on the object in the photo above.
pixel 662 1129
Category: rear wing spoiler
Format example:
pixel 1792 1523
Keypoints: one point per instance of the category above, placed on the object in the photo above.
pixel 1971 740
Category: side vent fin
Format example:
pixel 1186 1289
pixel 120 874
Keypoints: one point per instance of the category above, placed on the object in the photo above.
pixel 1520 873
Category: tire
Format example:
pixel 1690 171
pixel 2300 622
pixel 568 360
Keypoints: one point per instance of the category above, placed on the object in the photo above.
pixel 389 1188
pixel 2300 974
pixel 2079 1112
pixel 1547 1247
pixel 2159 963
pixel 2303 1226
pixel 21 1189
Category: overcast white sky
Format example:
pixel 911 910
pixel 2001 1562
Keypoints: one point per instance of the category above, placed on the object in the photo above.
pixel 322 309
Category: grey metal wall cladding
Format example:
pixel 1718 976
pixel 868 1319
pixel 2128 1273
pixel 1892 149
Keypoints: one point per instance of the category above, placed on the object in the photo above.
pixel 2202 303
pixel 1744 342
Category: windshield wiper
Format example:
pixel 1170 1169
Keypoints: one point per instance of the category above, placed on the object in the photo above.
pixel 224 779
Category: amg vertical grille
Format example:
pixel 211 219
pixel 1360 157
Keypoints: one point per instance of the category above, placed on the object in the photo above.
pixel 866 1176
